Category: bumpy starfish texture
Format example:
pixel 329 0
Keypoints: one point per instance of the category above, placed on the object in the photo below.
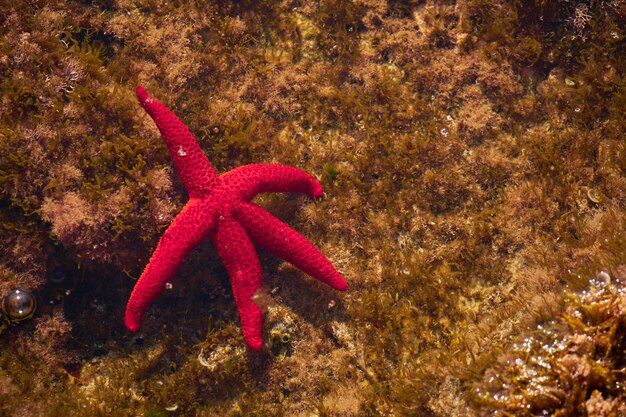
pixel 220 207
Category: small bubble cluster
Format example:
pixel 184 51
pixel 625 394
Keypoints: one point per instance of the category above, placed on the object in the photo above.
pixel 579 356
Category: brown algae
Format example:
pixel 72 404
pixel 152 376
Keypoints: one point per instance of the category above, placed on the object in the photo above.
pixel 572 366
pixel 474 164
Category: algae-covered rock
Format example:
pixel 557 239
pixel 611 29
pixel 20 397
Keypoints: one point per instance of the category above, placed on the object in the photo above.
pixel 570 366
pixel 474 165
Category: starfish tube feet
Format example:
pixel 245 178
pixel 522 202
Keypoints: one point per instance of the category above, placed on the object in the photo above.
pixel 277 238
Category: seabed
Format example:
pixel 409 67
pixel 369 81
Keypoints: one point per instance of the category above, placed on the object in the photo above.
pixel 474 164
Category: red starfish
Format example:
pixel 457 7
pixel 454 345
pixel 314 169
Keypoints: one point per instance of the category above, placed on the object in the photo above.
pixel 219 206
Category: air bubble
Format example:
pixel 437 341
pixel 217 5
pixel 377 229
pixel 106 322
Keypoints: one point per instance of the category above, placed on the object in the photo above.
pixel 603 278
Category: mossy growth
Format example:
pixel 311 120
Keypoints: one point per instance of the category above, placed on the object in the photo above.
pixel 471 152
pixel 569 366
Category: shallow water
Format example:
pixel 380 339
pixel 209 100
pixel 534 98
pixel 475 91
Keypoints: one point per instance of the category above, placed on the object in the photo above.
pixel 472 156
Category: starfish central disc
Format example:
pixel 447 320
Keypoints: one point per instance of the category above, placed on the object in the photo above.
pixel 219 207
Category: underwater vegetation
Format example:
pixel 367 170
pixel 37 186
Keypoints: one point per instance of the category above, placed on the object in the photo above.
pixel 571 366
pixel 473 158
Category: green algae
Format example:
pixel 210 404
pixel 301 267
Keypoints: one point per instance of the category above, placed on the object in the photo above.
pixel 473 160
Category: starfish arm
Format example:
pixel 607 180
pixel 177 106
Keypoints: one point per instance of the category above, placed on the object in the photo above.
pixel 242 264
pixel 250 180
pixel 276 237
pixel 195 170
pixel 187 230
